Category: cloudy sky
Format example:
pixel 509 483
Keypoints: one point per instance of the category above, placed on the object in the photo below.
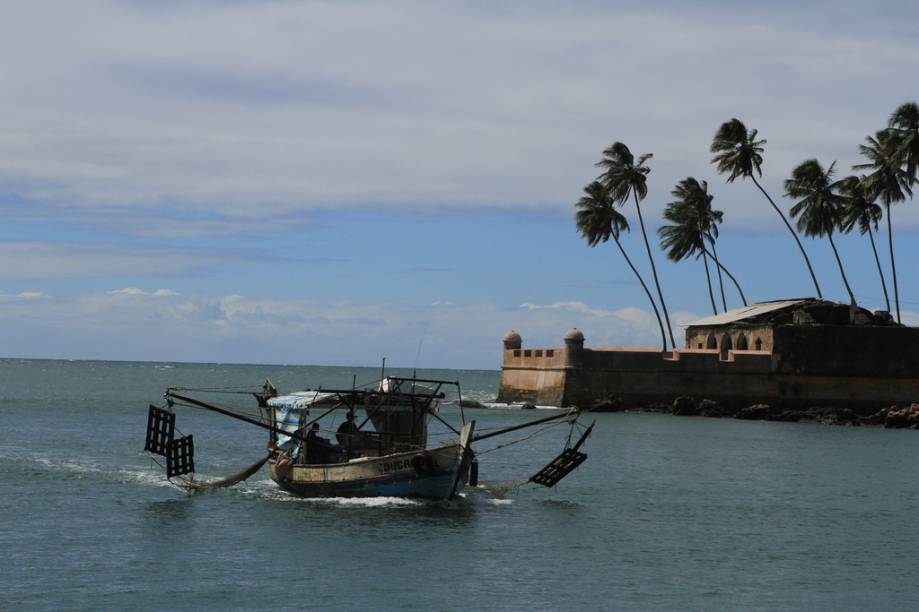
pixel 329 183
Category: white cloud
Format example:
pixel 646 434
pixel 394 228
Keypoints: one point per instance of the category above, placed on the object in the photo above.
pixel 136 292
pixel 285 108
pixel 629 325
pixel 118 325
pixel 24 296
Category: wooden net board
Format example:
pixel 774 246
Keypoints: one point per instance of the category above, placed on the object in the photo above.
pixel 160 430
pixel 560 467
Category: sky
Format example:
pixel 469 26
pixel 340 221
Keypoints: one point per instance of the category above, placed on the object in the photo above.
pixel 333 183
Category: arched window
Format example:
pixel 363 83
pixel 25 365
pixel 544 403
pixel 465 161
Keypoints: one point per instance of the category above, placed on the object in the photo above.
pixel 726 345
pixel 742 343
pixel 758 344
pixel 711 343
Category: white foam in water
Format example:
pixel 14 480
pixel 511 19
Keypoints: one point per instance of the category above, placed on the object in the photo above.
pixel 145 477
pixel 267 489
pixel 67 465
pixel 500 406
pixel 367 502
pixel 264 488
pixel 83 469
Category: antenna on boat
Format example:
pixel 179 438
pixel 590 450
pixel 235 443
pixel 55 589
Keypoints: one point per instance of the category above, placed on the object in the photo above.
pixel 382 372
pixel 418 352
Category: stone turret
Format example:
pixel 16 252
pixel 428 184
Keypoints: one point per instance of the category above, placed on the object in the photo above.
pixel 574 339
pixel 512 340
pixel 574 342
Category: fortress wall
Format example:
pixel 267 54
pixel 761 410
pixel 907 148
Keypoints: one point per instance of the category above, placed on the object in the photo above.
pixel 682 360
pixel 737 390
pixel 533 375
pixel 848 350
pixel 545 387
pixel 642 377
pixel 552 357
pixel 571 375
pixel 814 365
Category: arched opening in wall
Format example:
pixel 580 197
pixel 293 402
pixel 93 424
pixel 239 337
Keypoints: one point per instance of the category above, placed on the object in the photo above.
pixel 758 344
pixel 710 342
pixel 726 345
pixel 742 343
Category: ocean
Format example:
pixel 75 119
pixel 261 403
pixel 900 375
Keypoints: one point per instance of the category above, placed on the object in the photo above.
pixel 668 513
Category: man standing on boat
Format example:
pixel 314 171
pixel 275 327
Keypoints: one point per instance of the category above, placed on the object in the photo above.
pixel 348 433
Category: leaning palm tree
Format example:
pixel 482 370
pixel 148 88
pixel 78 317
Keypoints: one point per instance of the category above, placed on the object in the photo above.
pixel 860 210
pixel 597 221
pixel 887 181
pixel 624 176
pixel 904 123
pixel 685 238
pixel 819 210
pixel 694 228
pixel 739 154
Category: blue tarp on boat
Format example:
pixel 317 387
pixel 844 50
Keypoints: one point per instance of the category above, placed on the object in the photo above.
pixel 290 413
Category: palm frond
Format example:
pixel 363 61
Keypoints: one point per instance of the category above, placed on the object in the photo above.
pixel 819 209
pixel 737 152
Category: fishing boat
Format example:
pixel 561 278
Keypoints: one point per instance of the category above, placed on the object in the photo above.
pixel 381 448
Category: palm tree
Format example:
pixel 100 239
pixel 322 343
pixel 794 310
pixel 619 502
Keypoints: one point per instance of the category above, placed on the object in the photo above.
pixel 625 175
pixel 819 210
pixel 597 221
pixel 859 209
pixel 888 181
pixel 694 228
pixel 904 123
pixel 724 301
pixel 739 154
pixel 686 236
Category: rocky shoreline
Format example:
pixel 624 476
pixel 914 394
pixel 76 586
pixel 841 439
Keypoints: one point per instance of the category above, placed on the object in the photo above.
pixel 893 417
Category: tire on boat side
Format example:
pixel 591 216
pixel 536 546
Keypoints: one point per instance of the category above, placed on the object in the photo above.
pixel 424 464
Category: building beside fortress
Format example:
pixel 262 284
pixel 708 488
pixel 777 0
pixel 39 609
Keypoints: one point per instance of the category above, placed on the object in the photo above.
pixel 793 354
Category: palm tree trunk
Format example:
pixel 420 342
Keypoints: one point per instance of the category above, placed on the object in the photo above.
pixel 841 270
pixel 647 292
pixel 708 279
pixel 660 294
pixel 893 264
pixel 794 234
pixel 877 260
pixel 724 302
pixel 731 276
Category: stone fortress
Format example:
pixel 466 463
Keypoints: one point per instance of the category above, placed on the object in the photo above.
pixel 790 354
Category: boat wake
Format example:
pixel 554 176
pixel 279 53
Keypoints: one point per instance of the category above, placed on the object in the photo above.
pixel 268 490
pixel 73 469
pixel 264 489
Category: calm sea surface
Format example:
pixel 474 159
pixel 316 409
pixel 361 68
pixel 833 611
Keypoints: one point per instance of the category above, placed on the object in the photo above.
pixel 668 512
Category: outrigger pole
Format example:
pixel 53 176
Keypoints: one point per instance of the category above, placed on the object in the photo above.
pixel 229 413
pixel 554 417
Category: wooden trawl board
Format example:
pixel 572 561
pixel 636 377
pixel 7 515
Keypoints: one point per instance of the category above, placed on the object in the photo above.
pixel 180 457
pixel 160 429
pixel 560 467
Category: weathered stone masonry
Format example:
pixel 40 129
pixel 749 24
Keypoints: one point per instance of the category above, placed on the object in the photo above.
pixel 811 353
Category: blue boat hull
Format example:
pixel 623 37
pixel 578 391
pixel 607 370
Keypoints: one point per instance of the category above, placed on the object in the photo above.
pixel 437 473
pixel 437 486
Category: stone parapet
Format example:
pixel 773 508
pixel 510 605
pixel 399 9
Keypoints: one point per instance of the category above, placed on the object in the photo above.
pixel 796 378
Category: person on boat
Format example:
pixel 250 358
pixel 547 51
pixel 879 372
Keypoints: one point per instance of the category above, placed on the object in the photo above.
pixel 319 449
pixel 348 435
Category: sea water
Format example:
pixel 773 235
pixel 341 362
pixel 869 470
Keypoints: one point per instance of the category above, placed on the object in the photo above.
pixel 667 513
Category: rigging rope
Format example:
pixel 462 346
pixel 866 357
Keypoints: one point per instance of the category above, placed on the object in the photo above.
pixel 517 441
